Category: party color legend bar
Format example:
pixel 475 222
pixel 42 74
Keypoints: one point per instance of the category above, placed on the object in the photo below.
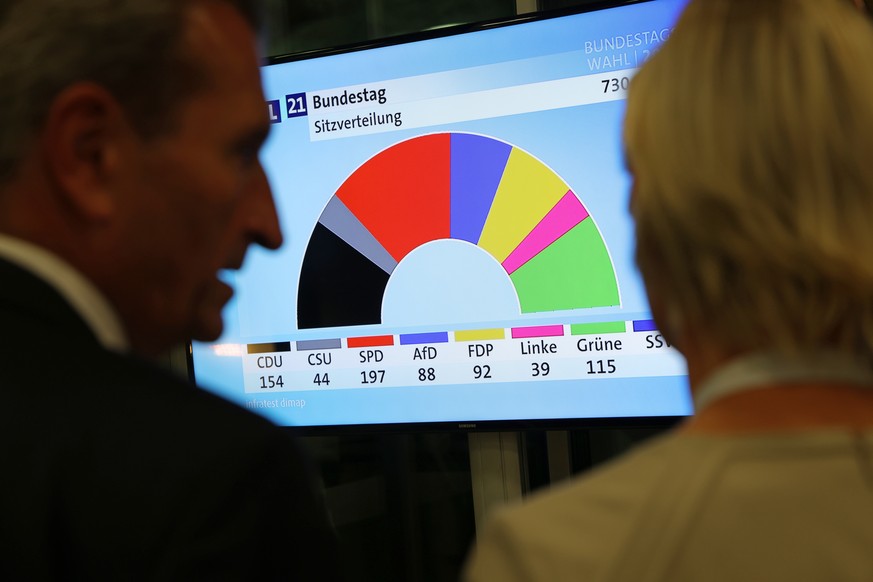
pixel 579 351
pixel 537 331
pixel 374 341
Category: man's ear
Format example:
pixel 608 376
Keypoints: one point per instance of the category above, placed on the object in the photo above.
pixel 82 140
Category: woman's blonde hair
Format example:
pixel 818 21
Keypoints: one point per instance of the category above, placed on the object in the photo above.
pixel 750 138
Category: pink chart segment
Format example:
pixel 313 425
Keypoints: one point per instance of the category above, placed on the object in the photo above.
pixel 566 214
pixel 537 331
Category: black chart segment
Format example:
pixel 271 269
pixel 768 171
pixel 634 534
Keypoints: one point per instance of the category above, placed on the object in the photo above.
pixel 338 285
pixel 453 186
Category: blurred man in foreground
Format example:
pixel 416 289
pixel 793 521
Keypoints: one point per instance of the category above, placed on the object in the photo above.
pixel 749 140
pixel 129 178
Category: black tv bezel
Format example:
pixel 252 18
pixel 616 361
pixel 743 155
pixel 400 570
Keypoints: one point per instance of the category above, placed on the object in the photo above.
pixel 452 30
pixel 506 425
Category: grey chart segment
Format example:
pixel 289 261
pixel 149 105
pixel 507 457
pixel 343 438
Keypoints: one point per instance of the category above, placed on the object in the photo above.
pixel 339 220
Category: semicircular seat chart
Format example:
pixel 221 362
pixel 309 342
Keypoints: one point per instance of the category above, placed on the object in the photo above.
pixel 452 186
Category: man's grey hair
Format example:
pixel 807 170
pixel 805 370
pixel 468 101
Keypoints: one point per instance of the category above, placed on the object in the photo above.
pixel 132 48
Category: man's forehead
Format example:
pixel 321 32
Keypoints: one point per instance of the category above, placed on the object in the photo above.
pixel 219 36
pixel 221 45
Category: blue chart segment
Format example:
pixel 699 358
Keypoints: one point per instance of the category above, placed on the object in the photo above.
pixel 477 167
pixel 455 186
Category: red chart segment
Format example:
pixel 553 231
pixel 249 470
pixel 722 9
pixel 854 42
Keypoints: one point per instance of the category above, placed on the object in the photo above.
pixel 403 194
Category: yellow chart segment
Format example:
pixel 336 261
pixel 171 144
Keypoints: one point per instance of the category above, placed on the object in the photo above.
pixel 527 191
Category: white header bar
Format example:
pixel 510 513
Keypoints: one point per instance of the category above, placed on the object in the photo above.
pixel 364 110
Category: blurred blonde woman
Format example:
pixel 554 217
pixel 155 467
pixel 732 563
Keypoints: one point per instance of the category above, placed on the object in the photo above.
pixel 750 139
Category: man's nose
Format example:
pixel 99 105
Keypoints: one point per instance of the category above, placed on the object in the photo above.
pixel 263 221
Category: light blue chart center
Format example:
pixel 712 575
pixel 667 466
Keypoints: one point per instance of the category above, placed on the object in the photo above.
pixel 451 281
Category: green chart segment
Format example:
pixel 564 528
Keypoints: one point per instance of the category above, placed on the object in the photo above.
pixel 544 284
pixel 453 186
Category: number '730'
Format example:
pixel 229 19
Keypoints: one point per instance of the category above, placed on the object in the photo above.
pixel 615 84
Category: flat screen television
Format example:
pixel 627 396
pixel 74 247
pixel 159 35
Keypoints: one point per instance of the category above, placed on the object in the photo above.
pixel 459 251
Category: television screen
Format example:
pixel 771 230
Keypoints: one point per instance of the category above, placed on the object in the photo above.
pixel 458 243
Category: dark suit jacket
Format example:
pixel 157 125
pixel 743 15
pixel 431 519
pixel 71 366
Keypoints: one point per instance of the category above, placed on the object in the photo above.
pixel 112 469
